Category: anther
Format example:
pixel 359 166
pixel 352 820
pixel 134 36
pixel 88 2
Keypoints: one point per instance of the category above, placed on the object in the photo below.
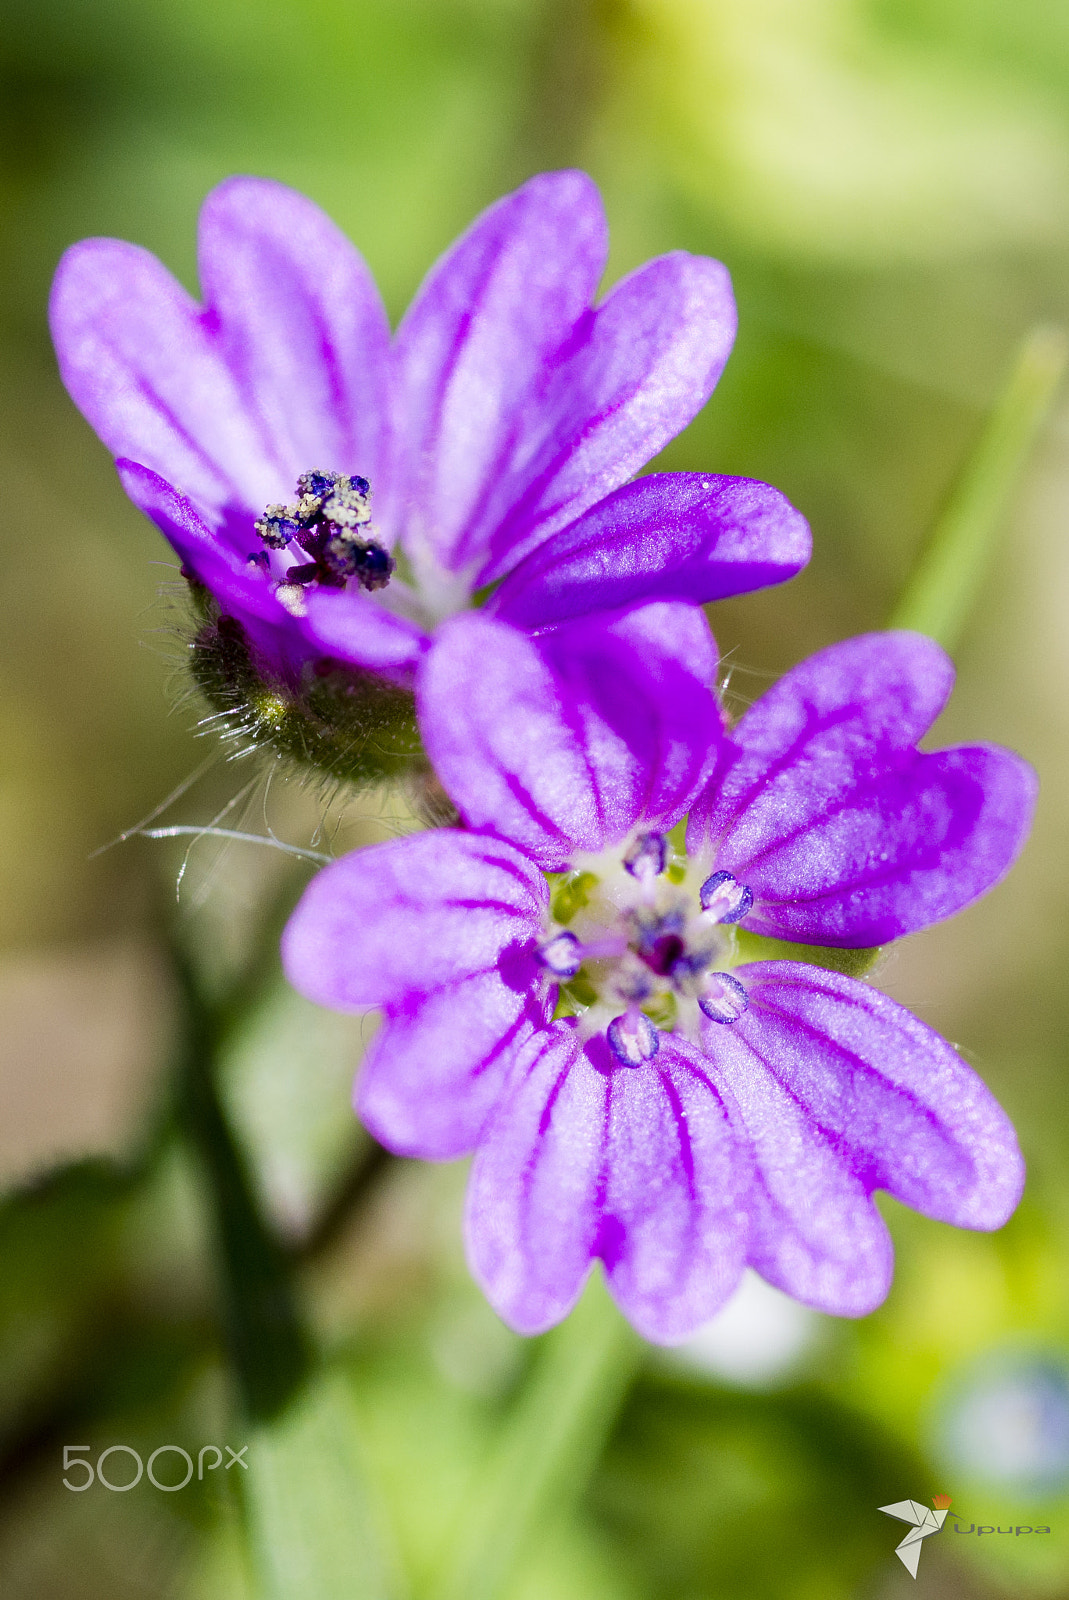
pixel 633 1039
pixel 648 856
pixel 316 484
pixel 724 898
pixel 278 525
pixel 724 999
pixel 331 522
pixel 562 955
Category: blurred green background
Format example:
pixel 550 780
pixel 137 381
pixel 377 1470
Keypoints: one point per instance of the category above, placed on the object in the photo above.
pixel 888 181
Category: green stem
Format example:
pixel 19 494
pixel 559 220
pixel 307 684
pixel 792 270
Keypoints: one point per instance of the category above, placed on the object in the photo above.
pixel 267 1343
pixel 954 562
pixel 547 1447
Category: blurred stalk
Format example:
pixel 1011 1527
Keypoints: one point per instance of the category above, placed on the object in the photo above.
pixel 309 1518
pixel 313 1530
pixel 547 1446
pixel 954 562
pixel 267 1345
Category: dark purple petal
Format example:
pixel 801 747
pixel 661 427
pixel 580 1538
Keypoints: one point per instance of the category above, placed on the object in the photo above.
pixel 840 1091
pixel 635 1166
pixel 632 376
pixel 300 324
pixel 566 743
pixel 242 591
pixel 212 558
pixel 143 366
pixel 846 834
pixel 437 1066
pixel 669 536
pixel 395 921
pixel 493 311
pixel 350 627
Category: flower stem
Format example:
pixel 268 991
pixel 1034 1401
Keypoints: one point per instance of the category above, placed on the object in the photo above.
pixel 953 564
pixel 267 1344
pixel 547 1447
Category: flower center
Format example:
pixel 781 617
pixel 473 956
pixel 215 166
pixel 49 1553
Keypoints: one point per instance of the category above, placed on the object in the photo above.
pixel 641 945
pixel 330 525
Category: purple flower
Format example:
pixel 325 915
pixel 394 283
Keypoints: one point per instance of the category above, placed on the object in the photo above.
pixel 634 1094
pixel 493 438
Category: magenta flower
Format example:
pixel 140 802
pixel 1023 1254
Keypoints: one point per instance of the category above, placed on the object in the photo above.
pixel 633 1094
pixel 493 438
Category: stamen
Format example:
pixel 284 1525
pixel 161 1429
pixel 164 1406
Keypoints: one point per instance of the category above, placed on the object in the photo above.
pixel 563 955
pixel 724 999
pixel 648 856
pixel 724 898
pixel 278 525
pixel 331 522
pixel 633 1039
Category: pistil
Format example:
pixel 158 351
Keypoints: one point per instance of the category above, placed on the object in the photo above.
pixel 644 935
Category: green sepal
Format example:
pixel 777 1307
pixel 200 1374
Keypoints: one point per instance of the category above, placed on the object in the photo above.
pixel 853 963
pixel 343 724
pixel 572 895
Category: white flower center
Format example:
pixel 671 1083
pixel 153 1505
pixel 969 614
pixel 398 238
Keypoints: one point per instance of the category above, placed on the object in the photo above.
pixel 641 941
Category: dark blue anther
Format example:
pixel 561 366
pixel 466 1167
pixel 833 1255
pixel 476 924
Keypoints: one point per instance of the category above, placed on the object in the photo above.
pixel 374 567
pixel 278 526
pixel 724 999
pixel 648 856
pixel 633 1039
pixel 318 483
pixel 562 955
pixel 724 896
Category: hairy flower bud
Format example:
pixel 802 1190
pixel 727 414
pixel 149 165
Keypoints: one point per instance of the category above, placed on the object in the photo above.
pixel 345 724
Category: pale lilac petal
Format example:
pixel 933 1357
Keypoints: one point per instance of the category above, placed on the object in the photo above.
pixel 411 916
pixel 636 371
pixel 674 1219
pixel 841 1091
pixel 637 1167
pixel 436 1068
pixel 285 366
pixel 494 310
pixel 669 536
pixel 300 324
pixel 567 742
pixel 142 363
pixel 532 1212
pixel 845 833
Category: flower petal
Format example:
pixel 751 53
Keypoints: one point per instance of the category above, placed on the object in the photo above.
pixel 566 743
pixel 840 1091
pixel 350 627
pixel 405 918
pixel 636 371
pixel 668 536
pixel 302 327
pixel 242 592
pixel 637 1167
pixel 436 1068
pixel 494 310
pixel 141 362
pixel 282 369
pixel 846 834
